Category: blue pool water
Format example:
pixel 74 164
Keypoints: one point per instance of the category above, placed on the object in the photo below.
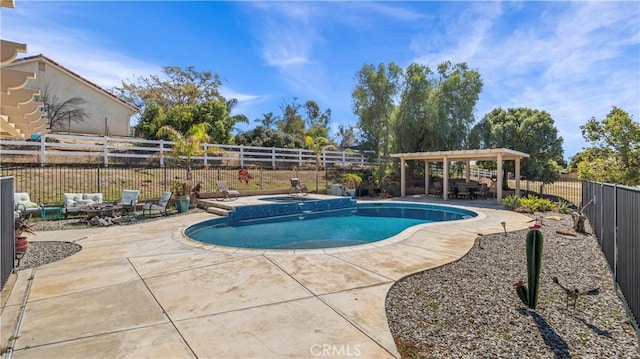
pixel 359 224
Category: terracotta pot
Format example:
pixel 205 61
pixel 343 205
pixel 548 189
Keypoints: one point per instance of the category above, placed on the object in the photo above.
pixel 21 245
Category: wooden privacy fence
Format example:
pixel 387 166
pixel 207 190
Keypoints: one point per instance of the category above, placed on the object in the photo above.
pixel 614 215
pixel 109 150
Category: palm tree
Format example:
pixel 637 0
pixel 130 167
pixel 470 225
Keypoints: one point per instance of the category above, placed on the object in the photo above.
pixel 188 144
pixel 318 145
pixel 267 120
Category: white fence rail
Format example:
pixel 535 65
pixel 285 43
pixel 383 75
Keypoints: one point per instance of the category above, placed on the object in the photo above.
pixel 116 147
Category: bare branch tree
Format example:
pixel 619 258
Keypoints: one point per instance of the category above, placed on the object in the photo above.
pixel 60 112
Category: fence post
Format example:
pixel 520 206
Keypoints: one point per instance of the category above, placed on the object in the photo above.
pixel 98 178
pixel 601 213
pixel 164 177
pixel 615 236
pixel 241 156
pixel 261 178
pixel 43 152
pixel 106 151
pixel 273 158
pixel 162 155
pixel 205 154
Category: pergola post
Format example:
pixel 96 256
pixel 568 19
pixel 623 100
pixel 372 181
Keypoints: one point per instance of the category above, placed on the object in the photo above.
pixel 402 177
pixel 467 156
pixel 426 178
pixel 467 171
pixel 500 180
pixel 518 177
pixel 445 179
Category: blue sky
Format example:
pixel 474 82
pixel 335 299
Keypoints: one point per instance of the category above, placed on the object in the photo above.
pixel 574 60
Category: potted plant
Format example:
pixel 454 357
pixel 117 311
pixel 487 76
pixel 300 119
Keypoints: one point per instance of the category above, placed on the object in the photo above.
pixel 22 227
pixel 179 189
pixel 186 146
pixel 351 181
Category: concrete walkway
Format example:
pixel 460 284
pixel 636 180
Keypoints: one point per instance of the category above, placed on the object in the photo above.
pixel 145 291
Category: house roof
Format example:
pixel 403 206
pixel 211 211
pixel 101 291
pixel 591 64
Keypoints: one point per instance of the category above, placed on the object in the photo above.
pixel 41 57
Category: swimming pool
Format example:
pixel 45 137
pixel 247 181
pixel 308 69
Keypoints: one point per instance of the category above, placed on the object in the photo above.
pixel 360 224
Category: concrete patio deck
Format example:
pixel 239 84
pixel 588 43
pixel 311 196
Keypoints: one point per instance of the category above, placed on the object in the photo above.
pixel 144 290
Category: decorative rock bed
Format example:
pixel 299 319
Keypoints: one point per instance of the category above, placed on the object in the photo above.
pixel 469 308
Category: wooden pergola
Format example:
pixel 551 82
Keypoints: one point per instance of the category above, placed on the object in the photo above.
pixel 494 154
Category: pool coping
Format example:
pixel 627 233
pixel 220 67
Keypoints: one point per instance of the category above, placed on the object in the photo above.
pixel 398 238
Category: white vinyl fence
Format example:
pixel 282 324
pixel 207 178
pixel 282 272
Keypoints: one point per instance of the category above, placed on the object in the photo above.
pixel 106 148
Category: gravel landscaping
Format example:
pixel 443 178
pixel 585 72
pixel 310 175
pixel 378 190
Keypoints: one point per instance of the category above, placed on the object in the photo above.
pixel 470 309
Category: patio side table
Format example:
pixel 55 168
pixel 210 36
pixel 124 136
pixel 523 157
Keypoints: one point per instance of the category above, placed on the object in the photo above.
pixel 54 212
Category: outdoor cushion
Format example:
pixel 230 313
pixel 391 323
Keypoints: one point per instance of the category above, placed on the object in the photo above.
pixel 95 197
pixel 71 199
pixel 26 204
pixel 22 201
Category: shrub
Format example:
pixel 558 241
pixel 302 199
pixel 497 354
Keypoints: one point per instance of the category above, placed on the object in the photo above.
pixel 563 207
pixel 511 202
pixel 531 202
pixel 545 205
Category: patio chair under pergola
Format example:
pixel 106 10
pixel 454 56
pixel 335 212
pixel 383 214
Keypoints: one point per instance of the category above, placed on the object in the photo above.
pixel 494 154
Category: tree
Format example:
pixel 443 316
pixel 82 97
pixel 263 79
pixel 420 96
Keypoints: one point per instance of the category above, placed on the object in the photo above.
pixel 218 115
pixel 174 87
pixel 318 145
pixel 316 120
pixel 215 113
pixel 373 103
pixel 346 136
pixel 291 122
pixel 182 97
pixel 614 155
pixel 268 120
pixel 61 113
pixel 187 144
pixel 266 137
pixel 526 130
pixel 436 112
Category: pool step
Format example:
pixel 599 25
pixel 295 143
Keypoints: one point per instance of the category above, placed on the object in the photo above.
pixel 219 211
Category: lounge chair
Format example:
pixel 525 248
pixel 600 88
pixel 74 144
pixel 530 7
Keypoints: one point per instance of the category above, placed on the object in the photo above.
pixel 297 187
pixel 22 204
pixel 129 200
pixel 227 193
pixel 160 206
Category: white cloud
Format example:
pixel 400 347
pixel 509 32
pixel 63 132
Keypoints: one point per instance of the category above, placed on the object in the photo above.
pixel 82 52
pixel 573 60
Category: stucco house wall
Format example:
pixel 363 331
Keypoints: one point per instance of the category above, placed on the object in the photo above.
pixel 108 115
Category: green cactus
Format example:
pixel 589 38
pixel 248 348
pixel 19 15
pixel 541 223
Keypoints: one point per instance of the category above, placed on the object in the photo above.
pixel 534 243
